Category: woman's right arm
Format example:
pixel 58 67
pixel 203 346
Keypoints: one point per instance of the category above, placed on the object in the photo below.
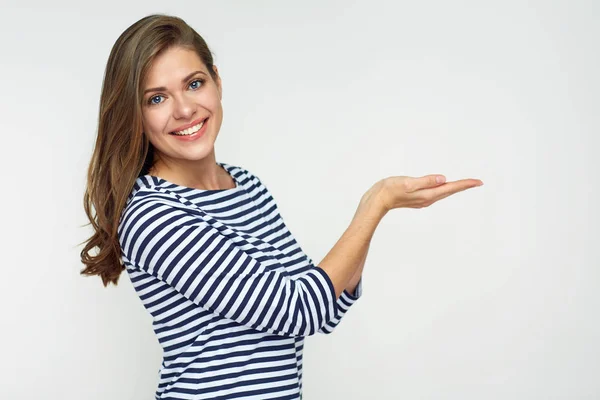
pixel 345 257
pixel 235 275
pixel 343 260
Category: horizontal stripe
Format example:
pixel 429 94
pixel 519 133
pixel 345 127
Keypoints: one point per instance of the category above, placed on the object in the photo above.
pixel 231 293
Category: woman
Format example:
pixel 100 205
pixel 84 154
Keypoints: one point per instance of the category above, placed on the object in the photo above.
pixel 231 293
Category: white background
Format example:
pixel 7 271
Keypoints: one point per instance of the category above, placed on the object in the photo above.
pixel 489 294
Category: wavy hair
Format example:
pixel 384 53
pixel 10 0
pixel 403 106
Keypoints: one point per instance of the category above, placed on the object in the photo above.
pixel 122 152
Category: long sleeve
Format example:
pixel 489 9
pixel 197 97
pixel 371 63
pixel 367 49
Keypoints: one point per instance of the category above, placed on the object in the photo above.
pixel 231 274
pixel 343 304
pixel 346 299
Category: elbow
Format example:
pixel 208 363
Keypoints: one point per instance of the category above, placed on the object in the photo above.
pixel 326 330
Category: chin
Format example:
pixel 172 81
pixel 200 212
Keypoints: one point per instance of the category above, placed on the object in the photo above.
pixel 198 154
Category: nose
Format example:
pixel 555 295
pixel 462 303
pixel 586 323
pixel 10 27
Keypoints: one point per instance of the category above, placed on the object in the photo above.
pixel 184 107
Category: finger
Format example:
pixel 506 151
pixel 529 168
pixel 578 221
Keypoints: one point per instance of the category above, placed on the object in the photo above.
pixel 425 182
pixel 451 188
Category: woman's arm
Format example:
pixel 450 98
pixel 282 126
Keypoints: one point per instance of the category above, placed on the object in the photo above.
pixel 345 258
pixel 233 274
pixel 222 270
pixel 351 288
pixel 344 262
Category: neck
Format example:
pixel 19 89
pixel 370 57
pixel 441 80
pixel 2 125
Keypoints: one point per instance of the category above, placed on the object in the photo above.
pixel 202 174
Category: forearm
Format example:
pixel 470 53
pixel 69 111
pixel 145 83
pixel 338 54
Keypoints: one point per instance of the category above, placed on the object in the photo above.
pixel 351 288
pixel 343 264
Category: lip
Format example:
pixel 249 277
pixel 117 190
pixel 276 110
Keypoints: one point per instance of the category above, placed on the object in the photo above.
pixel 194 123
pixel 193 136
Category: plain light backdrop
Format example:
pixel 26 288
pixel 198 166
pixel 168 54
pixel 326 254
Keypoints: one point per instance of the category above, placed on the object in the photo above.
pixel 489 294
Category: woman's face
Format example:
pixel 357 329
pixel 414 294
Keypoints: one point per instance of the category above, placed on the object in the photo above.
pixel 181 108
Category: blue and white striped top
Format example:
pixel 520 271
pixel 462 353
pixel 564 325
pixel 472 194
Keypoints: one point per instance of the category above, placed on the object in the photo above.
pixel 231 293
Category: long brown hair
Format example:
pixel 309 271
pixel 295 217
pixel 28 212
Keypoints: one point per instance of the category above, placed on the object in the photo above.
pixel 122 152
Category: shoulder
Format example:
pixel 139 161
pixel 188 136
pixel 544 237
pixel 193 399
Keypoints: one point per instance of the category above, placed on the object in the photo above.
pixel 251 182
pixel 256 190
pixel 149 203
pixel 147 191
pixel 241 174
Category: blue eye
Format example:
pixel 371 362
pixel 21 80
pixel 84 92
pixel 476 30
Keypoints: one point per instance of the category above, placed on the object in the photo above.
pixel 194 85
pixel 198 81
pixel 151 100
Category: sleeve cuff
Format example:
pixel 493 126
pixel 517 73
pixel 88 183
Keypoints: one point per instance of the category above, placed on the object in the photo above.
pixel 352 297
pixel 330 296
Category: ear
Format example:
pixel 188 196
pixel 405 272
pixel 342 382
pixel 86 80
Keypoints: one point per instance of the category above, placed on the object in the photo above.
pixel 218 82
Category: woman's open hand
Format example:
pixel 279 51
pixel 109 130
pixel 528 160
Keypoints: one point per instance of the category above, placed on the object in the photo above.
pixel 408 192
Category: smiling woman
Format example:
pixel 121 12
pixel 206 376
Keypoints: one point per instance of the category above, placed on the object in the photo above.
pixel 230 290
pixel 173 96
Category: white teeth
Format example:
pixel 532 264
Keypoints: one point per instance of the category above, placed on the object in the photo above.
pixel 190 131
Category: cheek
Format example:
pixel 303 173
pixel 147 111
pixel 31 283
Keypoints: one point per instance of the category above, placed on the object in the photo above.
pixel 211 100
pixel 217 111
pixel 154 121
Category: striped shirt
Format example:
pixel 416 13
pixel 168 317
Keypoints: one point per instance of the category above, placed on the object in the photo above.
pixel 231 293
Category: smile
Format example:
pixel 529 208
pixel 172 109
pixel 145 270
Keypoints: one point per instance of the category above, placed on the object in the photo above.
pixel 189 131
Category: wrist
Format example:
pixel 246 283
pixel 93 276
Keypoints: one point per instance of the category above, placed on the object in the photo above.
pixel 372 204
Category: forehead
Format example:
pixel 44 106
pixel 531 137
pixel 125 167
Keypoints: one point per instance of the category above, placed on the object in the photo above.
pixel 172 65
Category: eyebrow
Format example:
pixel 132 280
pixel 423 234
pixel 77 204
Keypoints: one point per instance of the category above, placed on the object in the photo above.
pixel 156 89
